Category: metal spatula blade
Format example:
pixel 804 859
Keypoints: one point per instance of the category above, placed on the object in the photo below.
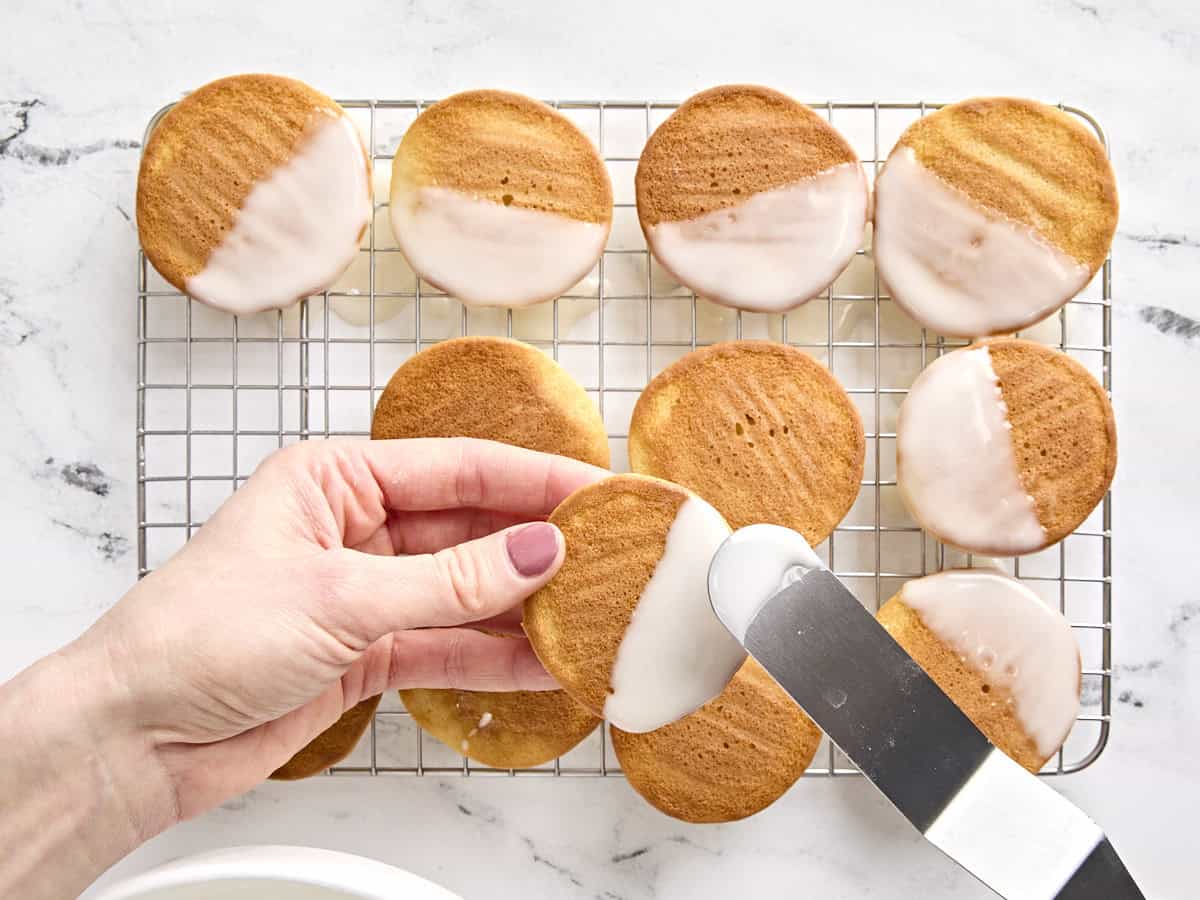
pixel 995 819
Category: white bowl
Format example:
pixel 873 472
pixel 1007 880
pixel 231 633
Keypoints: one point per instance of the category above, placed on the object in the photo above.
pixel 275 873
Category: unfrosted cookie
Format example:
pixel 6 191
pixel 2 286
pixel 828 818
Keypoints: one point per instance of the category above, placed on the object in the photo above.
pixel 1005 658
pixel 499 390
pixel 332 745
pixel 750 198
pixel 992 213
pixel 625 625
pixel 760 430
pixel 1004 447
pixel 511 730
pixel 496 389
pixel 253 191
pixel 498 199
pixel 731 758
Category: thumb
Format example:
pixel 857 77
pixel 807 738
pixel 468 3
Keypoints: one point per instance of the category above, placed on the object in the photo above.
pixel 362 596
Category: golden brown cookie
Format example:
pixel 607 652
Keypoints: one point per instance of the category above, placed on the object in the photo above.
pixel 499 199
pixel 496 389
pixel 760 430
pixel 625 625
pixel 511 730
pixel 1004 447
pixel 1007 660
pixel 500 390
pixel 332 745
pixel 992 213
pixel 1063 431
pixel 750 198
pixel 253 191
pixel 731 758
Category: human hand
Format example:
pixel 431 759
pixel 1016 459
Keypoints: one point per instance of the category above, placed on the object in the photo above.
pixel 338 571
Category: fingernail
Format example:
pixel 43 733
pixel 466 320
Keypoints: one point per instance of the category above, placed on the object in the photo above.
pixel 533 548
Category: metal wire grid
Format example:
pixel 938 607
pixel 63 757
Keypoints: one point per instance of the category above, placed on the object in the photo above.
pixel 303 386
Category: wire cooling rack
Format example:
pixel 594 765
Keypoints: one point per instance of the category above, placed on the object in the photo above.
pixel 217 393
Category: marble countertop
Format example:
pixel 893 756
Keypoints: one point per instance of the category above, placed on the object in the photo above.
pixel 77 85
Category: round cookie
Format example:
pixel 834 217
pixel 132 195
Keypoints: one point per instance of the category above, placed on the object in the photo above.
pixel 537 405
pixel 751 199
pixel 332 745
pixel 1004 447
pixel 1007 660
pixel 992 213
pixel 625 625
pixel 253 191
pixel 498 199
pixel 731 758
pixel 492 388
pixel 512 730
pixel 760 430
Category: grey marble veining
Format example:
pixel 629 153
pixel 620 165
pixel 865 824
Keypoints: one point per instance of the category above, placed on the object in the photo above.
pixel 78 81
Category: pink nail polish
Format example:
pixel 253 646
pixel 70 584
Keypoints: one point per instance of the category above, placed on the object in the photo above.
pixel 533 548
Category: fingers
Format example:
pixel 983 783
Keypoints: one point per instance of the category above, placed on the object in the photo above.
pixel 360 597
pixel 447 473
pixel 458 658
pixel 433 530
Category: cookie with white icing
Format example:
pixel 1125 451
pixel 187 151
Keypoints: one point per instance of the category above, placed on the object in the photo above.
pixel 1004 447
pixel 253 192
pixel 508 730
pixel 992 213
pixel 733 757
pixel 760 430
pixel 496 389
pixel 332 745
pixel 751 199
pixel 498 199
pixel 1005 658
pixel 625 625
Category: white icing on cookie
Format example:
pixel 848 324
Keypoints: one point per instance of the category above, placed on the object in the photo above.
pixel 489 254
pixel 955 464
pixel 675 655
pixel 957 267
pixel 1004 632
pixel 755 564
pixel 775 249
pixel 298 228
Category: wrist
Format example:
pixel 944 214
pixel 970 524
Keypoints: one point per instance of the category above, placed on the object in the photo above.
pixel 81 783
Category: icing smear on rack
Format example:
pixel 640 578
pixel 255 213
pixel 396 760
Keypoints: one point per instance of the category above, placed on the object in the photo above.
pixel 675 655
pixel 1004 632
pixel 955 463
pixel 488 254
pixel 775 249
pixel 957 267
pixel 298 228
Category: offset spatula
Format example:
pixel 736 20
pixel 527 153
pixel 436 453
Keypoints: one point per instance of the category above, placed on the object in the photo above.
pixel 998 821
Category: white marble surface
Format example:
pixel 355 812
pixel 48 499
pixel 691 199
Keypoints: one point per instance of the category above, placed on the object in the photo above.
pixel 77 84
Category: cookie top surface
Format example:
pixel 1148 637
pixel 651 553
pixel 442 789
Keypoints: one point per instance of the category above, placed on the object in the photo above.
pixel 760 430
pixel 507 184
pixel 992 213
pixel 496 389
pixel 750 198
pixel 510 730
pixel 253 191
pixel 1004 447
pixel 727 143
pixel 731 758
pixel 1028 161
pixel 332 745
pixel 1004 657
pixel 625 625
